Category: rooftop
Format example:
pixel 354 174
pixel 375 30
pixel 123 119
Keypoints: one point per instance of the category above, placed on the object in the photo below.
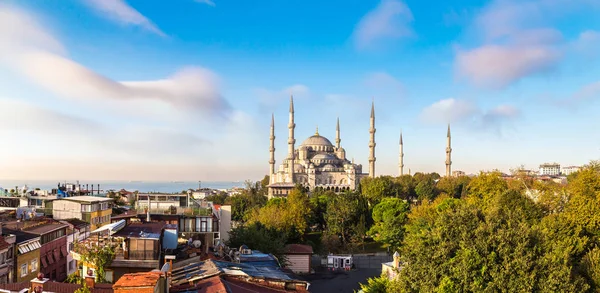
pixel 3 243
pixel 44 228
pixel 148 279
pixel 76 223
pixel 86 199
pixel 142 230
pixel 298 249
pixel 21 236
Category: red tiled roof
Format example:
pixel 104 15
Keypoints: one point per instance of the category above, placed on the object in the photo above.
pixel 237 286
pixel 56 287
pixel 147 279
pixel 211 285
pixel 217 206
pixel 298 249
pixel 3 243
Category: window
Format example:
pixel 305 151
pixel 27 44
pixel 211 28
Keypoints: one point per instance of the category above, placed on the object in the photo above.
pixel 34 265
pixel 71 265
pixel 24 270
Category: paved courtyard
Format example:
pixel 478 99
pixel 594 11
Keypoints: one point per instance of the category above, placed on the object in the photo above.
pixel 341 281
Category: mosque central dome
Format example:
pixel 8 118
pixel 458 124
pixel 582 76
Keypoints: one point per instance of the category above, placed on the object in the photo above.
pixel 317 140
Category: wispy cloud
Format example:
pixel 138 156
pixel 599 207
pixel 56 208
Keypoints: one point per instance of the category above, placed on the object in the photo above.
pixel 467 113
pixel 588 43
pixel 380 80
pixel 269 99
pixel 40 57
pixel 518 41
pixel 207 2
pixel 121 12
pixel 390 19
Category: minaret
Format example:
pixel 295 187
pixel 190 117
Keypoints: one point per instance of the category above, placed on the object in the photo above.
pixel 337 134
pixel 291 141
pixel 272 150
pixel 448 154
pixel 372 143
pixel 401 164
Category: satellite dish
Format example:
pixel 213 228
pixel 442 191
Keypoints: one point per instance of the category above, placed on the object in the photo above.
pixel 197 243
pixel 165 268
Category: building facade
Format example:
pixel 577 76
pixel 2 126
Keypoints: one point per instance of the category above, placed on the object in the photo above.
pixel 316 163
pixel 549 169
pixel 53 250
pixel 570 170
pixel 91 209
pixel 7 243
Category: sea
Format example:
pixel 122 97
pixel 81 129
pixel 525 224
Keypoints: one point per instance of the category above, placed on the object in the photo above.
pixel 141 186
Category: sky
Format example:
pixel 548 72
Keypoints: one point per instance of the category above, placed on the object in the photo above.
pixel 185 89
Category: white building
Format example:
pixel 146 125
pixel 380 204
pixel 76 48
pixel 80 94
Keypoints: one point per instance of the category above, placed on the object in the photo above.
pixel 550 169
pixel 570 170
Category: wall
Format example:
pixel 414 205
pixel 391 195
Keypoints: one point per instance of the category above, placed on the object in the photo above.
pixel 225 225
pixel 298 263
pixel 58 270
pixel 66 209
pixel 98 214
pixel 26 259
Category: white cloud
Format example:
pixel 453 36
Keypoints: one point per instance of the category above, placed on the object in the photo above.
pixel 207 2
pixel 495 66
pixel 120 11
pixel 449 111
pixel 464 112
pixel 40 57
pixel 517 41
pixel 390 19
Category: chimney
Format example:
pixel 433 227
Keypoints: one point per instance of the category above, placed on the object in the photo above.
pixel 148 210
pixel 396 260
pixel 90 279
pixel 38 284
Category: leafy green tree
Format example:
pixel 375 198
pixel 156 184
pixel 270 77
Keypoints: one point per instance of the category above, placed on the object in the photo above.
pixel 389 217
pixel 453 186
pixel 99 257
pixel 406 187
pixel 318 206
pixel 375 189
pixel 343 214
pixel 257 236
pixel 220 198
pixel 376 285
pixel 458 246
pixel 426 190
pixel 285 214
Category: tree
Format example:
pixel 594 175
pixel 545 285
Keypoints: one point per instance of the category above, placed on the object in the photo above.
pixel 220 198
pixel 97 256
pixel 426 190
pixel 257 236
pixel 343 214
pixel 289 214
pixel 379 284
pixel 389 217
pixel 462 245
pixel 453 186
pixel 375 189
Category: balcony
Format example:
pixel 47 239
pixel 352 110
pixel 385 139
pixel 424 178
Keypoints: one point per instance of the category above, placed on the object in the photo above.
pixel 195 211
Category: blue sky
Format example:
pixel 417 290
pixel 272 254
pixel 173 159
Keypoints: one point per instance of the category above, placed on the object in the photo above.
pixel 184 89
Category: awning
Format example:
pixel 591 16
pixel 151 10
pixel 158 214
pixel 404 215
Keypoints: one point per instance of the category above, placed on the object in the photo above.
pixel 56 254
pixel 50 258
pixel 64 251
pixel 112 228
pixel 44 264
